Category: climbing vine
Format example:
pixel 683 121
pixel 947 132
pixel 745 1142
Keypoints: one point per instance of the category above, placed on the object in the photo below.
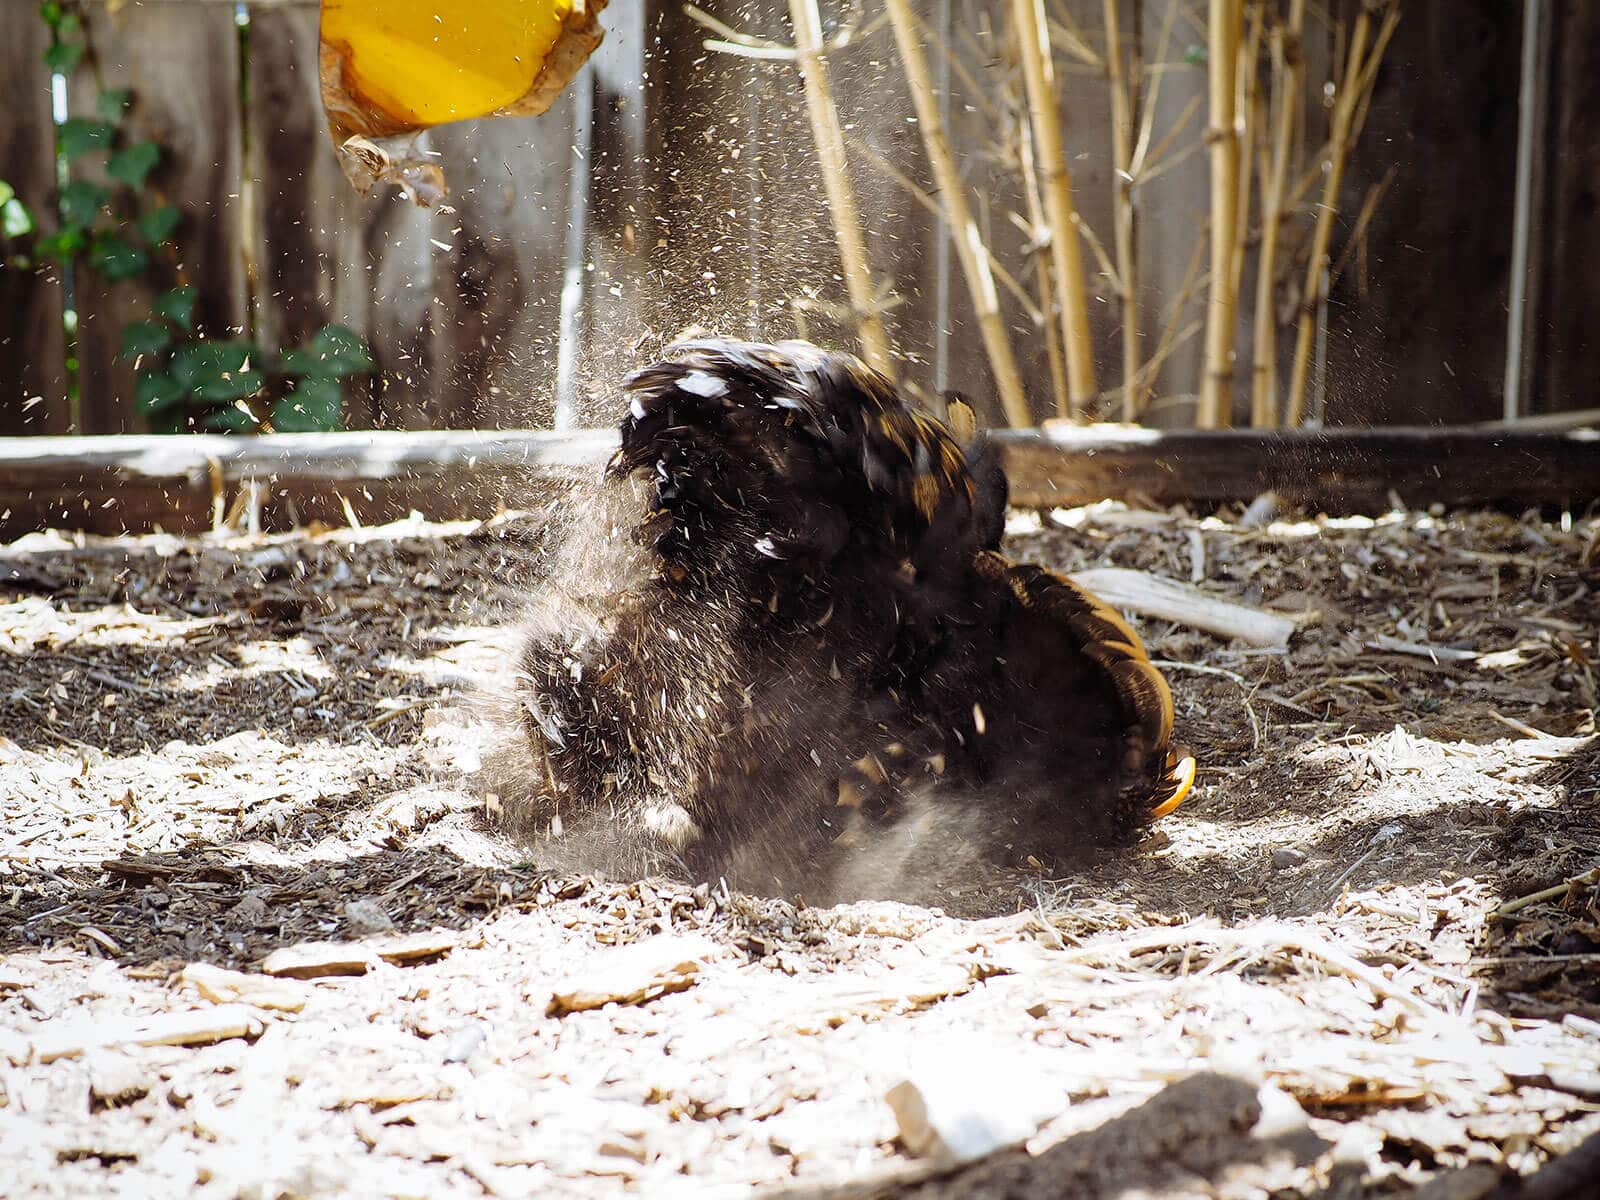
pixel 117 226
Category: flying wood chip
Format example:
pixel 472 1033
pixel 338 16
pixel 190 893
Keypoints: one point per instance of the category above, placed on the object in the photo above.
pixel 392 68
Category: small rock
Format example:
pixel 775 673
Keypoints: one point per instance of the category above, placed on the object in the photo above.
pixel 1285 857
pixel 251 910
pixel 367 916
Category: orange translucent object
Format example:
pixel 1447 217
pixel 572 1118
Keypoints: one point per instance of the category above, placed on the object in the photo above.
pixel 393 67
pixel 426 62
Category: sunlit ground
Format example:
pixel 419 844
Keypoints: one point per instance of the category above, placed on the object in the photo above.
pixel 214 750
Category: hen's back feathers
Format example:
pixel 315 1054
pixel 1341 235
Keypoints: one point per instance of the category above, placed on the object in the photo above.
pixel 822 561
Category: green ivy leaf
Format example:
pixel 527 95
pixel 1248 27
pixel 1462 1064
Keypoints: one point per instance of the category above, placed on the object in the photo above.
pixel 177 305
pixel 113 103
pixel 65 244
pixel 79 136
pixel 158 224
pixel 15 219
pixel 231 419
pixel 115 258
pixel 133 165
pixel 155 391
pixel 6 192
pixel 50 10
pixel 332 353
pixel 144 337
pixel 63 57
pixel 315 405
pixel 70 25
pixel 218 372
pixel 81 201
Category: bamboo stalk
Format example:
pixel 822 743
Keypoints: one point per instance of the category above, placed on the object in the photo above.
pixel 1288 67
pixel 1123 104
pixel 829 138
pixel 1248 121
pixel 1216 390
pixel 1041 260
pixel 1344 110
pixel 964 233
pixel 909 186
pixel 1066 255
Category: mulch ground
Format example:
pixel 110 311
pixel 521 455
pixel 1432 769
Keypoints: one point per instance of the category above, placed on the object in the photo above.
pixel 257 940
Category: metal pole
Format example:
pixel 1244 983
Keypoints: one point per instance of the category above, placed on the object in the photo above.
pixel 566 415
pixel 1522 212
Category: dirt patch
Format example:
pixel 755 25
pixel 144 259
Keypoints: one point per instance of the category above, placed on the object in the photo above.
pixel 217 748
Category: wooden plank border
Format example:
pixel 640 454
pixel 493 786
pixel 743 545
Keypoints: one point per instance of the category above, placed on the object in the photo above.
pixel 116 484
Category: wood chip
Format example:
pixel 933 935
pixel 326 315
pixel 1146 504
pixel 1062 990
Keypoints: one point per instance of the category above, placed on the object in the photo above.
pixel 222 986
pixel 635 974
pixel 416 947
pixel 314 960
pixel 198 1028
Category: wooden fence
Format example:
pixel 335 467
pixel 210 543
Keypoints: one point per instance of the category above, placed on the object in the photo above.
pixel 675 186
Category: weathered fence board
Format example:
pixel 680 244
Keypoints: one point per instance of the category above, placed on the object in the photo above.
pixel 33 356
pixel 302 205
pixel 1426 326
pixel 614 264
pixel 497 268
pixel 182 63
pixel 1564 342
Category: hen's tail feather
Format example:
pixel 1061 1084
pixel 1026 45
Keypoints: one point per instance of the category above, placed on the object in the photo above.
pixel 1111 643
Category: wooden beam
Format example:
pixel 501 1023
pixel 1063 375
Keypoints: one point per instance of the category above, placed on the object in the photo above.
pixel 112 484
pixel 138 483
pixel 1336 471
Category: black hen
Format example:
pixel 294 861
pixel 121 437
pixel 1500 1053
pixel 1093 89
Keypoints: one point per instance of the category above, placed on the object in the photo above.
pixel 794 630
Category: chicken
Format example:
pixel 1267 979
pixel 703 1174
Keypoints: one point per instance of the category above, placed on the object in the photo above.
pixel 791 628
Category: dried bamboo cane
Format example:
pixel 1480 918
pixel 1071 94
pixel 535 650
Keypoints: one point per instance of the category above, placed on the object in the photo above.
pixel 1344 108
pixel 1288 66
pixel 1066 254
pixel 1248 122
pixel 841 195
pixel 964 231
pixel 1041 262
pixel 1123 104
pixel 1216 391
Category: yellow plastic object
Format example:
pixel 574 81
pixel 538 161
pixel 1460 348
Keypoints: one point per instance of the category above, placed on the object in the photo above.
pixel 392 67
